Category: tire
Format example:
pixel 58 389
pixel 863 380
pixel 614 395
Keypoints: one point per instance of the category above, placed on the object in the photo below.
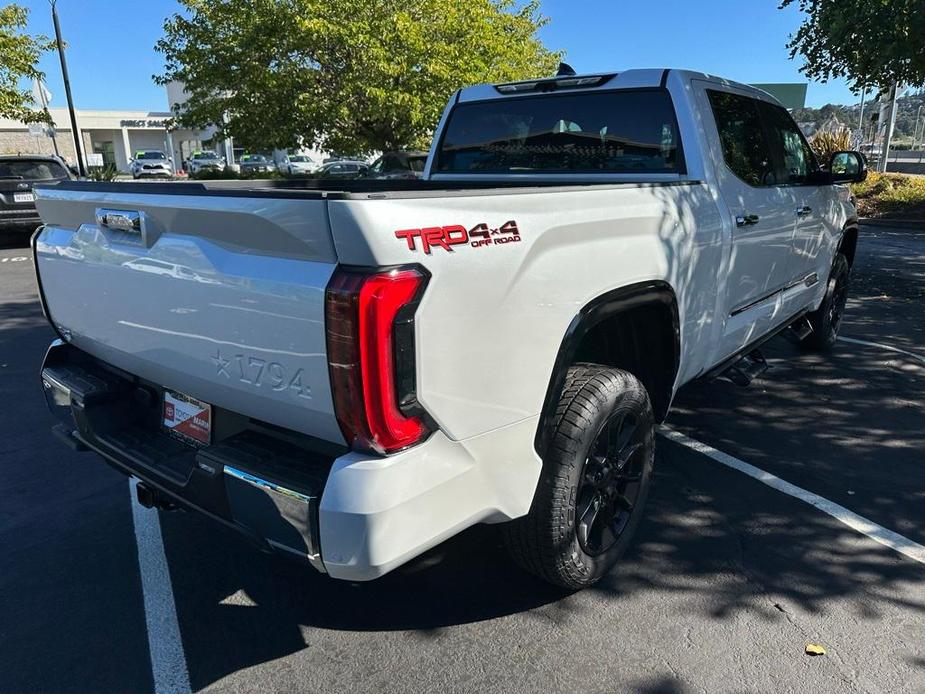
pixel 599 407
pixel 826 320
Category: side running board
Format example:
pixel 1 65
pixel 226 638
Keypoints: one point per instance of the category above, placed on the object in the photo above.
pixel 799 330
pixel 747 369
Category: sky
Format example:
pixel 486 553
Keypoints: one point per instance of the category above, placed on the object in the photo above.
pixel 111 57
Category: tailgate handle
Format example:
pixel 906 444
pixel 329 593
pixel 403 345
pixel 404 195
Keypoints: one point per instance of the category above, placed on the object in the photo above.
pixel 121 220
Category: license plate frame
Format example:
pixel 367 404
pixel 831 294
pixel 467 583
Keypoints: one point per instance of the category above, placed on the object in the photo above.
pixel 23 197
pixel 186 418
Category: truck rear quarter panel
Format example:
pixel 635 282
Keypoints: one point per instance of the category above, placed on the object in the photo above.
pixel 493 317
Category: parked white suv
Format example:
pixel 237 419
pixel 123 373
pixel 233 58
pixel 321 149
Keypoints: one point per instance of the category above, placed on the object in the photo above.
pixel 299 165
pixel 151 163
pixel 369 367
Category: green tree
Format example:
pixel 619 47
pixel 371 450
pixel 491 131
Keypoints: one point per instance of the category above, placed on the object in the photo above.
pixel 19 54
pixel 872 43
pixel 347 75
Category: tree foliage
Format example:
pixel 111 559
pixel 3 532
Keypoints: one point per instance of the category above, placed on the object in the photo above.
pixel 19 55
pixel 346 75
pixel 825 144
pixel 872 43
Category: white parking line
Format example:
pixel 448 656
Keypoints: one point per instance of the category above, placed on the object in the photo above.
pixel 889 348
pixel 168 662
pixel 867 527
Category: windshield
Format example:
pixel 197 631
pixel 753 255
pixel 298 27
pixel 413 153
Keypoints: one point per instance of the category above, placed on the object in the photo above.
pixel 253 158
pixel 205 155
pixel 32 169
pixel 595 132
pixel 300 158
pixel 150 154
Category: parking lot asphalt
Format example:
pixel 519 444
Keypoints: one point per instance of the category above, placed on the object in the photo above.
pixel 727 581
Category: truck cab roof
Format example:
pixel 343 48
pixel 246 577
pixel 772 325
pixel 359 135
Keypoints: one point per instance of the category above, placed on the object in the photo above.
pixel 629 79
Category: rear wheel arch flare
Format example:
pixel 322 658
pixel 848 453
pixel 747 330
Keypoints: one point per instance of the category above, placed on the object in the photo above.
pixel 635 328
pixel 848 244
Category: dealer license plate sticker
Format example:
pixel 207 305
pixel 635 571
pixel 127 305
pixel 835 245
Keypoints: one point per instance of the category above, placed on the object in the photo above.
pixel 187 418
pixel 23 197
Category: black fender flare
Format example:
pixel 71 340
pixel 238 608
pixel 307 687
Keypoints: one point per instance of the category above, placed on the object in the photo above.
pixel 601 308
pixel 848 239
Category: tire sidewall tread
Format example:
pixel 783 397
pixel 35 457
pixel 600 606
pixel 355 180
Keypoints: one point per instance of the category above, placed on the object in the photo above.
pixel 544 541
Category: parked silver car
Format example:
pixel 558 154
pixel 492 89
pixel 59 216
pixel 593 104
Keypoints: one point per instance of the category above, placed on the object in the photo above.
pixel 151 162
pixel 204 161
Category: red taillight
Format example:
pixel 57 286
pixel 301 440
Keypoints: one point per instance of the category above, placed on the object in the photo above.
pixel 370 339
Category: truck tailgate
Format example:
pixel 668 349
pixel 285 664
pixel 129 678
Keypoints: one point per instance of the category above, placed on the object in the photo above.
pixel 219 297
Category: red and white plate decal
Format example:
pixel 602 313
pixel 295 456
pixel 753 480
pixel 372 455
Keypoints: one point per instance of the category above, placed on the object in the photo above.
pixel 187 418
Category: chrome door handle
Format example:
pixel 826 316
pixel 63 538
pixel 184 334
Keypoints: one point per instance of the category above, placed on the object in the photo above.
pixel 803 211
pixel 743 220
pixel 120 220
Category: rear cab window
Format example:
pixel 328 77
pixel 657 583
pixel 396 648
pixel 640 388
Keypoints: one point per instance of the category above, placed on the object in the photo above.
pixel 620 131
pixel 32 170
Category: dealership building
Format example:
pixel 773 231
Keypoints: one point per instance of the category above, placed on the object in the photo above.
pixel 114 135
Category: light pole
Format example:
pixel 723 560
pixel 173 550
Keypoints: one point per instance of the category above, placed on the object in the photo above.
pixel 859 140
pixel 915 128
pixel 67 90
pixel 890 124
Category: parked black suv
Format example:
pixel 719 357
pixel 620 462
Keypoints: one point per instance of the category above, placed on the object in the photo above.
pixel 399 165
pixel 17 175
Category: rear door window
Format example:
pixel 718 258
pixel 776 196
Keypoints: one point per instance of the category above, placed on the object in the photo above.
pixel 628 131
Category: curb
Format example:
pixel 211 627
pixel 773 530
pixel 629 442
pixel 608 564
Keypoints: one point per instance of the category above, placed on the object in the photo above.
pixel 916 224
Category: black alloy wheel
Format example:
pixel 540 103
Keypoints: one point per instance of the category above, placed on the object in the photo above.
pixel 610 483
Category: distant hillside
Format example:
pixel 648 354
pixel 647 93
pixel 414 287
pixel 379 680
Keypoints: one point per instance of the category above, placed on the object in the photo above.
pixel 907 106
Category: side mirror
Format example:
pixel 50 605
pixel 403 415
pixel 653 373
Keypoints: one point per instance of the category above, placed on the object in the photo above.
pixel 847 167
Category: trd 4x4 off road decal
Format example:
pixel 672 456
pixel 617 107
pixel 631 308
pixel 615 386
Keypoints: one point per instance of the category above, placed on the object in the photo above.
pixel 479 236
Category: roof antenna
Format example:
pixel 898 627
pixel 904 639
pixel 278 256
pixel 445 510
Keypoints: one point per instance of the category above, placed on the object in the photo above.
pixel 565 70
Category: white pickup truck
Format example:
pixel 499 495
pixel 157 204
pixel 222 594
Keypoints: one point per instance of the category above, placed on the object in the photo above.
pixel 355 371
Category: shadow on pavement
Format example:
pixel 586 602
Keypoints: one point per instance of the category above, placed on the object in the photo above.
pixel 16 240
pixel 711 537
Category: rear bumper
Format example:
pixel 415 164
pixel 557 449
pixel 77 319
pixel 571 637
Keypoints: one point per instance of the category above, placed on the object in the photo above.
pixel 354 516
pixel 261 485
pixel 20 218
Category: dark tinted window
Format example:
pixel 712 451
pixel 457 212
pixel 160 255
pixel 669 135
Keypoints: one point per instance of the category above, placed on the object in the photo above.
pixel 745 148
pixel 31 169
pixel 598 132
pixel 793 157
